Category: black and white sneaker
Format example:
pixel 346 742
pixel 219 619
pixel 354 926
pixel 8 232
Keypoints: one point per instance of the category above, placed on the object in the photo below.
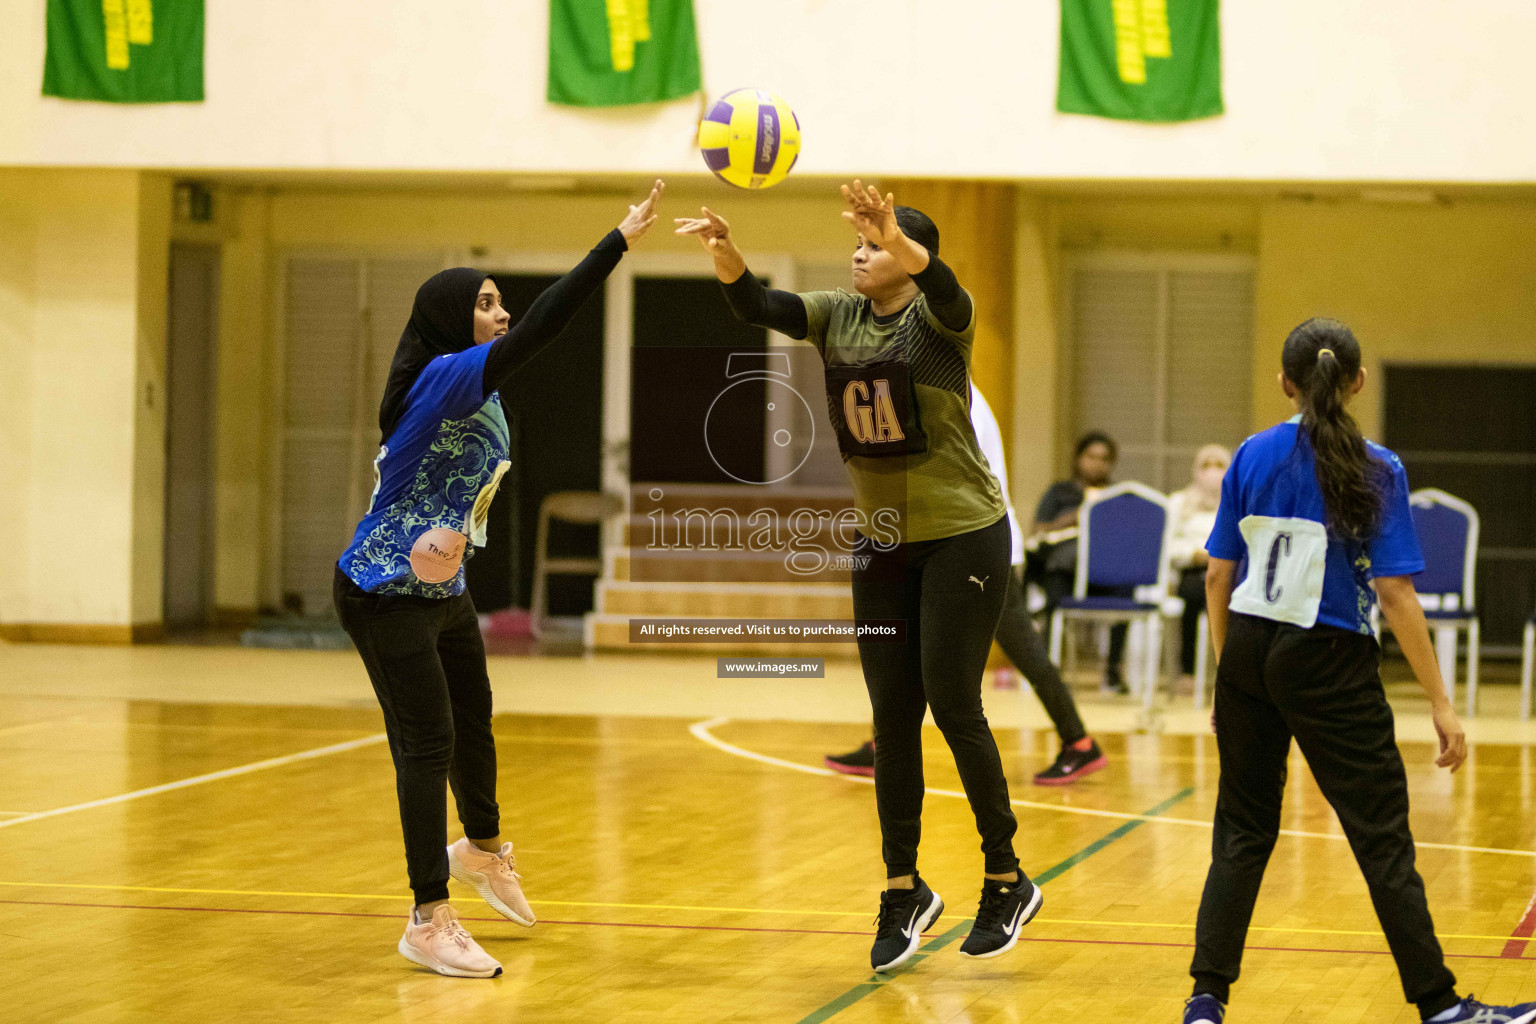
pixel 904 915
pixel 1006 907
pixel 1470 1011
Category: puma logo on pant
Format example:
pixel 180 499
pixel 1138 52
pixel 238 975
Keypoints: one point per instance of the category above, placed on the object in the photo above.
pixel 982 583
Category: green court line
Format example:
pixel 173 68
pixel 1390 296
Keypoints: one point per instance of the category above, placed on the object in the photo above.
pixel 1099 844
pixel 853 995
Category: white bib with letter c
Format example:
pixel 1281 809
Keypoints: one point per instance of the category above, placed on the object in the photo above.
pixel 1286 561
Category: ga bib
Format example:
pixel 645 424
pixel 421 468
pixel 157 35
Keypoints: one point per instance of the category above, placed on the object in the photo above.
pixel 1286 561
pixel 874 410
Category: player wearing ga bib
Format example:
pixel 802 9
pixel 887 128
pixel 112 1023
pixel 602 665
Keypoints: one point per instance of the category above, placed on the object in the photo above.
pixel 1272 517
pixel 933 534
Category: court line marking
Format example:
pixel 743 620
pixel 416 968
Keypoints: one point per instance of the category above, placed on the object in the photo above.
pixel 701 731
pixel 1514 949
pixel 837 1005
pixel 704 927
pixel 1074 921
pixel 197 780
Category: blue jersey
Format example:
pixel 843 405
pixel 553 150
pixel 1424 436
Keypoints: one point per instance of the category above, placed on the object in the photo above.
pixel 1298 571
pixel 438 470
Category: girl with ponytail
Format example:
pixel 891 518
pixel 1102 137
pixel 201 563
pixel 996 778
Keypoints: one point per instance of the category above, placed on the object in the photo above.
pixel 1313 528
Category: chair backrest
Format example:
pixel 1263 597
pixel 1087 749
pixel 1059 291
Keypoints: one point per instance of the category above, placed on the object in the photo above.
pixel 1122 537
pixel 1447 529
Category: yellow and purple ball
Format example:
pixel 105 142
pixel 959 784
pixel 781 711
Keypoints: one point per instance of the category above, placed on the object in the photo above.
pixel 750 139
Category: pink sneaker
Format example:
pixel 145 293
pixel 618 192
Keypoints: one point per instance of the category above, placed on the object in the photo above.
pixel 443 945
pixel 494 878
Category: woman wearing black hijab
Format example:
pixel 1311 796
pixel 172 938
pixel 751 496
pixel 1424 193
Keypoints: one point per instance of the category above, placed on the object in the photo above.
pixel 400 585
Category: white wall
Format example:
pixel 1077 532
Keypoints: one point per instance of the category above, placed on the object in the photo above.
pixel 1425 90
pixel 82 334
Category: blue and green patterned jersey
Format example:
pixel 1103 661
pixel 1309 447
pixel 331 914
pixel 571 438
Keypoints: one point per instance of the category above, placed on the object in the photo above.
pixel 438 469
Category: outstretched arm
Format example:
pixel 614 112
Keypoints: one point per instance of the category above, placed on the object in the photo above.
pixel 558 303
pixel 874 217
pixel 772 308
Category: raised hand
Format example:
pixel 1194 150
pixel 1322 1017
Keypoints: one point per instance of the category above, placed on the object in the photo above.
pixel 640 218
pixel 871 215
pixel 711 230
pixel 714 234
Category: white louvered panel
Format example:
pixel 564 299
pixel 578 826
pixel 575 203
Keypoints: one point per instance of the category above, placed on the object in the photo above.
pixel 1210 354
pixel 1114 335
pixel 315 526
pixel 321 332
pixel 322 326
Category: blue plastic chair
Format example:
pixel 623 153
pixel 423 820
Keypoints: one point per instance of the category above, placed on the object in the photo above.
pixel 1448 532
pixel 1122 538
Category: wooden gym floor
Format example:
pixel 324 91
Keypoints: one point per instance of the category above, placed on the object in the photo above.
pixel 168 860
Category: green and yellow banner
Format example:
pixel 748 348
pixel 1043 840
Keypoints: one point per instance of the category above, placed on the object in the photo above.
pixel 125 51
pixel 608 53
pixel 1140 60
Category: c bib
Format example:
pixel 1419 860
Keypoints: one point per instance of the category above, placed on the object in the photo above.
pixel 1286 561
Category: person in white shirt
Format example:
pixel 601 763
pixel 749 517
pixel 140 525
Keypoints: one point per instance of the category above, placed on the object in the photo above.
pixel 1019 639
pixel 1193 511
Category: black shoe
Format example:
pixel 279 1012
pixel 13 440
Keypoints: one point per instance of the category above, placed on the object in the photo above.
pixel 1114 682
pixel 904 915
pixel 859 762
pixel 1071 765
pixel 1006 907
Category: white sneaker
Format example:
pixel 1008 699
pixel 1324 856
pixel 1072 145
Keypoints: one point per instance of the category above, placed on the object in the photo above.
pixel 443 945
pixel 494 877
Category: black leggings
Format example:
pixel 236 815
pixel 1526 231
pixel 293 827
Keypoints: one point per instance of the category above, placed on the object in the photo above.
pixel 1321 686
pixel 426 660
pixel 1025 647
pixel 950 592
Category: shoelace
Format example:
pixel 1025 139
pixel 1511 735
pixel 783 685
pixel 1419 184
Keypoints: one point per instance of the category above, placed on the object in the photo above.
pixel 889 918
pixel 455 932
pixel 507 862
pixel 989 913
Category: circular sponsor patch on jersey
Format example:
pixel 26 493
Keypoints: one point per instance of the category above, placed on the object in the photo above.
pixel 436 555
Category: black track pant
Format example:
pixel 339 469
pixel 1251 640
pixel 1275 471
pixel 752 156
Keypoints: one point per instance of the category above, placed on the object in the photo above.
pixel 1026 648
pixel 1321 686
pixel 950 592
pixel 427 663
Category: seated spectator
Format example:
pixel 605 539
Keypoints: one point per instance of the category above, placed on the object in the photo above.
pixel 1193 511
pixel 1093 464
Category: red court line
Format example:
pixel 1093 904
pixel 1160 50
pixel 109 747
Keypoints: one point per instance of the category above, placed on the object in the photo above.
pixel 709 928
pixel 1515 947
